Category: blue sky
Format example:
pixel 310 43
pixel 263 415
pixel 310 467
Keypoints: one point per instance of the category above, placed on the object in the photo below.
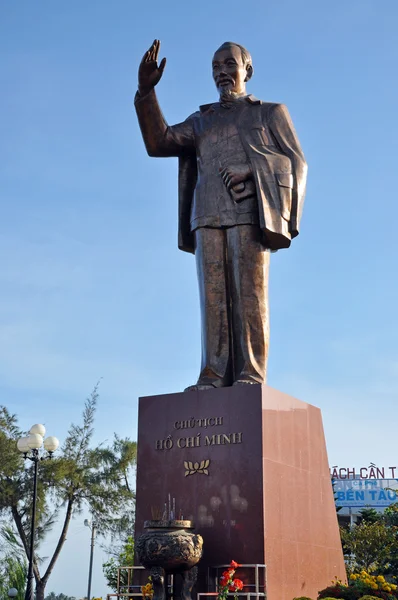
pixel 92 282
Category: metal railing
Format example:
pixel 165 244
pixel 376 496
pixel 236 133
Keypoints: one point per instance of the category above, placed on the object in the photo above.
pixel 127 589
pixel 258 589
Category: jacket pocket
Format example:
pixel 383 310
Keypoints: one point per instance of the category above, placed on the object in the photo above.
pixel 285 179
pixel 260 136
pixel 285 182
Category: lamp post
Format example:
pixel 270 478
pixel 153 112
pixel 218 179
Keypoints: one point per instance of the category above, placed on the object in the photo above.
pixel 93 526
pixel 30 447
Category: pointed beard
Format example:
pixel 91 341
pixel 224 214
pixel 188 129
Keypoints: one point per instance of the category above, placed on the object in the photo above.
pixel 227 98
pixel 228 95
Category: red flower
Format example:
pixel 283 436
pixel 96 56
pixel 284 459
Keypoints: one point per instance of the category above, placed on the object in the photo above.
pixel 228 584
pixel 237 584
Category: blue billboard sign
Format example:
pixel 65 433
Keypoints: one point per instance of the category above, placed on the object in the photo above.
pixel 377 493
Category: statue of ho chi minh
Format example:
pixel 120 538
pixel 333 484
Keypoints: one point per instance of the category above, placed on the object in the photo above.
pixel 242 178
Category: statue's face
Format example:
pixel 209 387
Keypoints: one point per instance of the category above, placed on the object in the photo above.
pixel 229 72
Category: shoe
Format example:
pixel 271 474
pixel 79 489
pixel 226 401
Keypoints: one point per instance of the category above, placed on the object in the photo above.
pixel 198 387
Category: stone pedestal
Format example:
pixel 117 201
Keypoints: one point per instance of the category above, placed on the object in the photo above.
pixel 248 464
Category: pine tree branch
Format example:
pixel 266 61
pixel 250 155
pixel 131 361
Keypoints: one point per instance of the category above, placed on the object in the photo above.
pixel 126 482
pixel 61 540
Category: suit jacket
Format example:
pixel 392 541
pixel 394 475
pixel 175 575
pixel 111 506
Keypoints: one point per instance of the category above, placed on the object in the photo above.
pixel 273 151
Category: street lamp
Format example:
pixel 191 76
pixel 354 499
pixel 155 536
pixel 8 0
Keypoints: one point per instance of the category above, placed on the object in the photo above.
pixel 30 446
pixel 93 526
pixel 12 593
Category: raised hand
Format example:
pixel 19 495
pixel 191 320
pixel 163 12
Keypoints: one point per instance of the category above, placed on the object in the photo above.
pixel 149 73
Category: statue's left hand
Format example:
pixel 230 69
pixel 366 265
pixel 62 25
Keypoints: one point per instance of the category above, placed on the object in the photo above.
pixel 234 174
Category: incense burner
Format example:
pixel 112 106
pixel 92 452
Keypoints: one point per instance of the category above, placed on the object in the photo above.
pixel 170 547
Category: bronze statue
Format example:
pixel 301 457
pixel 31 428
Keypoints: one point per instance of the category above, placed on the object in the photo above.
pixel 242 177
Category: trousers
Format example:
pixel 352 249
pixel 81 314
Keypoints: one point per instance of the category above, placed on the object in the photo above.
pixel 232 266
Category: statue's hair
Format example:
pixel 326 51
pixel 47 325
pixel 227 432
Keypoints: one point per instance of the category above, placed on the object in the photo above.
pixel 246 57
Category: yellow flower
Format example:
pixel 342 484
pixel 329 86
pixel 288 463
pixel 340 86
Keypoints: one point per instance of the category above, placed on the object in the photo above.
pixel 147 590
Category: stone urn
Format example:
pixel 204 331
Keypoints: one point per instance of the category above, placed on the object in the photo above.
pixel 170 547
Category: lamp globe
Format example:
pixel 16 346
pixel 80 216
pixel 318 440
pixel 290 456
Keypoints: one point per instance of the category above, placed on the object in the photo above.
pixel 38 428
pixel 22 445
pixel 35 441
pixel 51 443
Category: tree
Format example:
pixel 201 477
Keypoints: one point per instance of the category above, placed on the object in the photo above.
pixel 373 542
pixel 53 596
pixel 335 495
pixel 390 518
pixel 390 515
pixel 124 558
pixel 81 477
pixel 368 546
pixel 13 573
pixel 369 515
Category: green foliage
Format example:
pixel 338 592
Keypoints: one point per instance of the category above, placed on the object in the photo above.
pixel 372 544
pixel 53 596
pixel 367 597
pixel 380 596
pixel 369 515
pixel 13 574
pixel 390 519
pixel 125 558
pixel 338 508
pixel 81 477
pixel 340 591
pixel 109 569
pixel 361 586
pixel 11 464
pixel 302 598
pixel 368 545
pixel 390 514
